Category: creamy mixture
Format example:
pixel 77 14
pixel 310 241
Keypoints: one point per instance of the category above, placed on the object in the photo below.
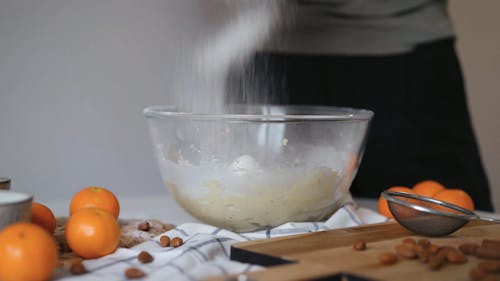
pixel 244 196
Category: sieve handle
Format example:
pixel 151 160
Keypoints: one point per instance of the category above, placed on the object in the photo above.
pixel 489 219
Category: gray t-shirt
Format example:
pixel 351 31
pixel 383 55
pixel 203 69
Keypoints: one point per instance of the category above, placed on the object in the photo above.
pixel 363 27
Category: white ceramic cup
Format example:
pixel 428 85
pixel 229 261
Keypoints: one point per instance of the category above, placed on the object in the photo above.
pixel 14 207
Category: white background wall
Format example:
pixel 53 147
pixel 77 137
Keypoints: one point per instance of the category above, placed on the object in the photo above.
pixel 75 76
pixel 478 27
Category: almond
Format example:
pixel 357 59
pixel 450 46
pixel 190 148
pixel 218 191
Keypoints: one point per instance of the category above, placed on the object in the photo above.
pixel 134 273
pixel 145 257
pixel 388 258
pixel 359 245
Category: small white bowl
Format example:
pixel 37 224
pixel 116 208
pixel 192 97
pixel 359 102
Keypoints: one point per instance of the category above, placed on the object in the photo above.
pixel 14 207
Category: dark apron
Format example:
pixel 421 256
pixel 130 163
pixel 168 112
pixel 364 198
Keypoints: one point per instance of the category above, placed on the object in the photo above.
pixel 421 129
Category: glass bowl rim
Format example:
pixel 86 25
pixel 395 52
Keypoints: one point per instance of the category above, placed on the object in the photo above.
pixel 337 114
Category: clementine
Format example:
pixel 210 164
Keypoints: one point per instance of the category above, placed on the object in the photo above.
pixel 457 197
pixel 27 252
pixel 96 197
pixel 92 233
pixel 383 208
pixel 43 216
pixel 428 188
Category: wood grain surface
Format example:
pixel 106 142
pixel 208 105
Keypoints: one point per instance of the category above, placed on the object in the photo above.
pixel 323 255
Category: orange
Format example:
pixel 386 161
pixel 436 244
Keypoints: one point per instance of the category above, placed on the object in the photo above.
pixel 95 197
pixel 383 208
pixel 457 197
pixel 427 188
pixel 43 216
pixel 92 233
pixel 27 252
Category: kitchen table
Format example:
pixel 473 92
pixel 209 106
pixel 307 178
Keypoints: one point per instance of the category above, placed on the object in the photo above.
pixel 206 250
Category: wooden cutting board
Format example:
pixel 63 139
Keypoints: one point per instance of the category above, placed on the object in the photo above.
pixel 328 255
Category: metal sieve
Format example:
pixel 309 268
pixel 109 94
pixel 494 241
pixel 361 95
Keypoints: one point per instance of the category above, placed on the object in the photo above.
pixel 427 216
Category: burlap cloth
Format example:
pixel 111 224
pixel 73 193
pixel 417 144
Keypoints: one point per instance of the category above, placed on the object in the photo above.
pixel 130 236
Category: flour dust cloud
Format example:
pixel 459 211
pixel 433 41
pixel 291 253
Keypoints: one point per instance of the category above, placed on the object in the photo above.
pixel 214 71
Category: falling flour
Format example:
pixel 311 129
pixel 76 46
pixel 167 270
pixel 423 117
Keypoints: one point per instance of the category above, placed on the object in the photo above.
pixel 201 79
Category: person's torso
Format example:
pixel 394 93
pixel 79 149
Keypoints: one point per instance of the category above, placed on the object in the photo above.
pixel 363 27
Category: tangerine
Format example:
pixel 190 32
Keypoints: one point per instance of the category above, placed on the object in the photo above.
pixel 457 197
pixel 428 188
pixel 43 216
pixel 92 233
pixel 28 253
pixel 95 197
pixel 383 207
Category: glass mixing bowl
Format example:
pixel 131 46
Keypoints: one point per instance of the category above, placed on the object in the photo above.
pixel 255 167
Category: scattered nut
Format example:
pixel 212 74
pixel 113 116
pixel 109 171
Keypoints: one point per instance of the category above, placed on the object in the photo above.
pixel 487 253
pixel 436 256
pixel 145 257
pixel 144 226
pixel 406 251
pixel 468 248
pixel 410 241
pixel 422 253
pixel 359 245
pixel 455 256
pixel 77 268
pixel 433 249
pixel 134 273
pixel 436 261
pixel 388 258
pixel 176 242
pixel 164 241
pixel 424 243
